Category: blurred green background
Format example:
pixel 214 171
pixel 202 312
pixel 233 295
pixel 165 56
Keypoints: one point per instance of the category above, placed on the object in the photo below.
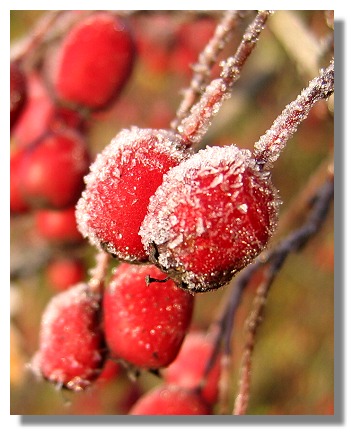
pixel 293 364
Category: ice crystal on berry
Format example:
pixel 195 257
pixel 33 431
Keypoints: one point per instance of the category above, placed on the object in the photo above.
pixel 121 180
pixel 71 351
pixel 211 216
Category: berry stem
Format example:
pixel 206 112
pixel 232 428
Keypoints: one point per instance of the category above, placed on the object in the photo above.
pixel 37 35
pixel 98 273
pixel 292 243
pixel 269 146
pixel 194 126
pixel 206 60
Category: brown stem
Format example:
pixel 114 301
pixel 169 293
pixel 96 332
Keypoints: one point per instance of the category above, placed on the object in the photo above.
pixel 292 243
pixel 255 318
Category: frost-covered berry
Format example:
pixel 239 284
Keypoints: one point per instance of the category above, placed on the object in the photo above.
pixel 169 400
pixel 94 61
pixel 71 351
pixel 121 180
pixel 145 324
pixel 211 216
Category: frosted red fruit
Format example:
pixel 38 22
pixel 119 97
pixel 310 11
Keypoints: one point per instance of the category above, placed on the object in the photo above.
pixel 121 180
pixel 169 400
pixel 145 324
pixel 71 348
pixel 188 369
pixel 53 172
pixel 210 217
pixel 18 92
pixel 57 225
pixel 94 61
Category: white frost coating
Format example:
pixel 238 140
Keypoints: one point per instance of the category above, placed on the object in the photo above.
pixel 269 146
pixel 75 295
pixel 206 193
pixel 121 147
pixel 196 124
pixel 158 223
pixel 72 297
pixel 108 166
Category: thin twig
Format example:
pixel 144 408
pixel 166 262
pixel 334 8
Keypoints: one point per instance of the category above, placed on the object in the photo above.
pixel 206 61
pixel 292 243
pixel 195 125
pixel 222 327
pixel 98 272
pixel 37 35
pixel 269 146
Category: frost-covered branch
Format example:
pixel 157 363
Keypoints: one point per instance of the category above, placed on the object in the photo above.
pixel 269 146
pixel 195 125
pixel 206 60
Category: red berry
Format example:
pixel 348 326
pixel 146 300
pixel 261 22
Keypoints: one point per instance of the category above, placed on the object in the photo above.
pixel 33 121
pixel 191 39
pixel 188 369
pixel 170 400
pixel 18 92
pixel 54 170
pixel 94 61
pixel 119 186
pixel 18 205
pixel 211 216
pixel 195 34
pixel 70 350
pixel 64 272
pixel 57 226
pixel 145 324
pixel 40 114
pixel 155 40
